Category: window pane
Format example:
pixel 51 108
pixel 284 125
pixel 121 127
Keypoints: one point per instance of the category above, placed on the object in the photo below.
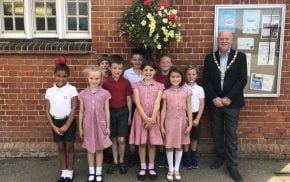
pixel 19 22
pixel 40 24
pixel 51 23
pixel 72 24
pixel 83 9
pixel 7 8
pixel 83 24
pixel 39 9
pixel 18 8
pixel 50 9
pixel 8 23
pixel 71 8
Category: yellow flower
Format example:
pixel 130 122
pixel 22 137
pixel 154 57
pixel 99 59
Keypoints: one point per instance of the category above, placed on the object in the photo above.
pixel 178 37
pixel 165 39
pixel 143 22
pixel 159 13
pixel 149 15
pixel 173 11
pixel 165 20
pixel 171 33
pixel 158 46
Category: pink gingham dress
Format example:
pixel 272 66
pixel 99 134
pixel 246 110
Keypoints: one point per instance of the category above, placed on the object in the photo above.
pixel 139 134
pixel 175 117
pixel 94 119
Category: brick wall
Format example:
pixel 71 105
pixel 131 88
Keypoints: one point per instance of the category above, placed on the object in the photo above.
pixel 264 128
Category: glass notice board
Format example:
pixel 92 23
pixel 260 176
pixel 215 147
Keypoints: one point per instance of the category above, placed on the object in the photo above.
pixel 258 31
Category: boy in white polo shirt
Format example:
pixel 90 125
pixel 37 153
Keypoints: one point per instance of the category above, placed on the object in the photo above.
pixel 61 104
pixel 197 101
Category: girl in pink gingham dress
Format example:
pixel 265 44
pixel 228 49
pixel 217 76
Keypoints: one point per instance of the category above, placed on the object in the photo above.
pixel 94 121
pixel 146 125
pixel 175 126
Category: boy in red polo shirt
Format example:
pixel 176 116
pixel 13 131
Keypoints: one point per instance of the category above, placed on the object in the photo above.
pixel 120 112
pixel 165 64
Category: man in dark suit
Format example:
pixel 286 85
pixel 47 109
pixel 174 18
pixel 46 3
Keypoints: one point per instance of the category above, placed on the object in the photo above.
pixel 224 77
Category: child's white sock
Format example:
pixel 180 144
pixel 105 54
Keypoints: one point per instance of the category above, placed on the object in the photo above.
pixel 69 173
pixel 63 173
pixel 98 170
pixel 178 156
pixel 170 160
pixel 91 171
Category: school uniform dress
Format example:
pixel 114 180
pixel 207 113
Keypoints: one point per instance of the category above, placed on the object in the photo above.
pixel 60 108
pixel 175 117
pixel 139 134
pixel 94 119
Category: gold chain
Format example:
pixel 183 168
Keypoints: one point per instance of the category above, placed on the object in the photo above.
pixel 232 61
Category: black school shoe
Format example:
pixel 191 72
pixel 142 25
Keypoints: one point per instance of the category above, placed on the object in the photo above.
pixel 67 179
pixel 61 179
pixel 234 173
pixel 93 178
pixel 123 168
pixel 141 177
pixel 113 167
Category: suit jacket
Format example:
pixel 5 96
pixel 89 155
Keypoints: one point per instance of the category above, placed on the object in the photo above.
pixel 234 82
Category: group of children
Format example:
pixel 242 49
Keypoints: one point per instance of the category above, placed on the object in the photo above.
pixel 149 108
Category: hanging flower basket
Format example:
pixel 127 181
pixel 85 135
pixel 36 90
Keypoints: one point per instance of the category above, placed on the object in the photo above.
pixel 150 24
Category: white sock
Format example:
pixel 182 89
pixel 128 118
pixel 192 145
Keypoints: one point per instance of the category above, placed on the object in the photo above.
pixel 178 156
pixel 98 170
pixel 69 173
pixel 170 160
pixel 63 173
pixel 91 171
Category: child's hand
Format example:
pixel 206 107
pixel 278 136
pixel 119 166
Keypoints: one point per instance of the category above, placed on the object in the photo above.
pixel 108 132
pixel 64 128
pixel 195 122
pixel 57 130
pixel 129 120
pixel 187 130
pixel 147 125
pixel 163 132
pixel 81 131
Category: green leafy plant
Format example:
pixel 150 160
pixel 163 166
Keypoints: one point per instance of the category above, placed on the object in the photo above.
pixel 150 24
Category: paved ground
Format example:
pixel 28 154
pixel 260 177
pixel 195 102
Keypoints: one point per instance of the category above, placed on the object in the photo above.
pixel 47 170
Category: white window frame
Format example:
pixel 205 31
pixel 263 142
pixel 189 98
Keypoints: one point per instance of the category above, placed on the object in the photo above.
pixel 29 24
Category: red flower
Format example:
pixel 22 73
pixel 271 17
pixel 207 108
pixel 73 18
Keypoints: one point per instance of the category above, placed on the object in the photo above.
pixel 147 3
pixel 172 17
pixel 165 5
pixel 60 60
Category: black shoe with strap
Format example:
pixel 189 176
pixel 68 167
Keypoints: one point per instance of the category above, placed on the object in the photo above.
pixel 234 173
pixel 90 175
pixel 113 167
pixel 140 176
pixel 123 168
pixel 61 179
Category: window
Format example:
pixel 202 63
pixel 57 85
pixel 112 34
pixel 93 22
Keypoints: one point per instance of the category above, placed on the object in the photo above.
pixel 63 19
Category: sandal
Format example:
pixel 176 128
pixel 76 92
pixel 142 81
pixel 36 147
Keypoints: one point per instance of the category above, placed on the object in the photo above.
pixel 169 176
pixel 98 178
pixel 177 176
pixel 92 179
pixel 152 176
pixel 140 176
